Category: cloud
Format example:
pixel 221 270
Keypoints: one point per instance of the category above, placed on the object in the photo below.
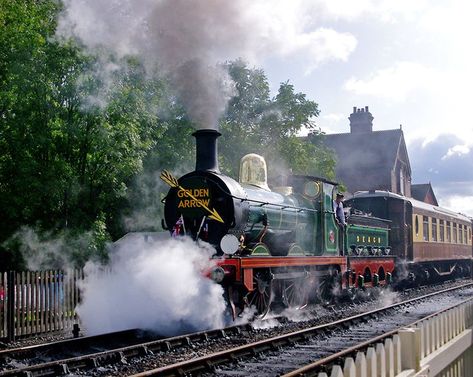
pixel 324 45
pixel 446 162
pixel 333 123
pixel 381 10
pixel 457 150
pixel 188 41
pixel 458 203
pixel 334 117
pixel 395 83
pixel 446 159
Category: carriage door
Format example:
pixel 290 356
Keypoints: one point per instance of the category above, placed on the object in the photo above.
pixel 399 226
pixel 410 230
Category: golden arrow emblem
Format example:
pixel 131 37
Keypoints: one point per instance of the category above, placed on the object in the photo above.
pixel 171 181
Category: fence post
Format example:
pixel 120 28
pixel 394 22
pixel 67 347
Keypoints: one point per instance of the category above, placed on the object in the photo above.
pixel 11 306
pixel 361 367
pixel 397 354
pixel 337 371
pixel 381 359
pixel 371 363
pixel 349 368
pixel 410 348
pixel 389 349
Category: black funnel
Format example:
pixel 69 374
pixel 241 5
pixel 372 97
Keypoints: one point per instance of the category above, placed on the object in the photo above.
pixel 206 149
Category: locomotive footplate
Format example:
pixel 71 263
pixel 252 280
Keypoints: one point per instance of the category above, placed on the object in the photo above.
pixel 244 268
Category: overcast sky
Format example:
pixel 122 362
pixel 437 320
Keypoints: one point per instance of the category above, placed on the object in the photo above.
pixel 409 61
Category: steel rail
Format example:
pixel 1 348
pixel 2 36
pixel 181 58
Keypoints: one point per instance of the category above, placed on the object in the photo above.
pixel 206 362
pixel 95 359
pixel 326 363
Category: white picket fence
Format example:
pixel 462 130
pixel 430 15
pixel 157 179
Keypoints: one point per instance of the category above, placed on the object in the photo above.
pixel 438 346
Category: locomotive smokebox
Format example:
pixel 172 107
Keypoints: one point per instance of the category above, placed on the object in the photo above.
pixel 206 150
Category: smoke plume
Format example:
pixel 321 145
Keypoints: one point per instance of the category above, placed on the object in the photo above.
pixel 187 41
pixel 183 40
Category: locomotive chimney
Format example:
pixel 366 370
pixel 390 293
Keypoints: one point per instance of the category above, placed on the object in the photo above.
pixel 206 149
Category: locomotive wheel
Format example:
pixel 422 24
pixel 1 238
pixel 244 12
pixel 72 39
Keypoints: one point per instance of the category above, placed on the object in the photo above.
pixel 330 285
pixel 260 297
pixel 295 293
pixel 228 296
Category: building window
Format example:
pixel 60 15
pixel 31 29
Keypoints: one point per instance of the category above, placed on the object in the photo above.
pixel 425 226
pixel 417 226
pixel 434 229
pixel 442 231
pixel 449 232
pixel 455 234
pixel 401 181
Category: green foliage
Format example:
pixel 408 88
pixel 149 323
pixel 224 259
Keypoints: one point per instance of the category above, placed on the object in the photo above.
pixel 80 150
pixel 257 123
pixel 64 167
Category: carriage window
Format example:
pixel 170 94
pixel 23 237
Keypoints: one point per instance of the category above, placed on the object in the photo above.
pixel 460 233
pixel 464 234
pixel 442 231
pixel 434 229
pixel 425 226
pixel 454 233
pixel 449 232
pixel 417 225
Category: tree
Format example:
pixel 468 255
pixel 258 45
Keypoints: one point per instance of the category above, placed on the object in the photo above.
pixel 64 168
pixel 76 152
pixel 257 123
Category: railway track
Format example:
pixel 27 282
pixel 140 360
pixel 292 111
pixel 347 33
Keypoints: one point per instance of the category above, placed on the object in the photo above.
pixel 284 354
pixel 96 355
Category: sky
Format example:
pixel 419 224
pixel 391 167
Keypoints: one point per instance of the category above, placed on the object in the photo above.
pixel 409 61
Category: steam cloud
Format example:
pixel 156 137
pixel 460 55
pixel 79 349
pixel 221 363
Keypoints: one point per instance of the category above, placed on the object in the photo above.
pixel 186 40
pixel 182 39
pixel 156 285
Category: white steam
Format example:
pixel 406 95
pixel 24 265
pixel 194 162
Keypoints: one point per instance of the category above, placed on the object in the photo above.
pixel 188 40
pixel 154 284
pixel 44 250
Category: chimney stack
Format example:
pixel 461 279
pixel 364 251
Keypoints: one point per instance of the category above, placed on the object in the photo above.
pixel 361 120
pixel 206 150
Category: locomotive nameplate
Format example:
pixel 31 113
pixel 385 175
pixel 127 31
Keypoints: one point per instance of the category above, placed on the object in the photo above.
pixel 193 197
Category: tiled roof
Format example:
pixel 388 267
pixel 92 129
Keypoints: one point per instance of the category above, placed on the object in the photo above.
pixel 365 159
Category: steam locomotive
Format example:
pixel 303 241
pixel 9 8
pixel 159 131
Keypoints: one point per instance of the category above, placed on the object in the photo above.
pixel 284 245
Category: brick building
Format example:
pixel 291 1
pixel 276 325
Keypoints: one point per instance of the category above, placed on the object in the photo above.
pixel 371 160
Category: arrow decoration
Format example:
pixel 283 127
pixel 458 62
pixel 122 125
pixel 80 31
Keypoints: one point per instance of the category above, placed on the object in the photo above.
pixel 172 181
pixel 169 179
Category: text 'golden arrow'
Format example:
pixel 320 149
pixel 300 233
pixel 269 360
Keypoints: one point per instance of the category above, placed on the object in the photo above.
pixel 171 181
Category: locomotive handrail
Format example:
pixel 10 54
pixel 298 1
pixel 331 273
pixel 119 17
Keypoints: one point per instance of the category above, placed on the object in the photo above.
pixel 299 209
pixel 283 206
